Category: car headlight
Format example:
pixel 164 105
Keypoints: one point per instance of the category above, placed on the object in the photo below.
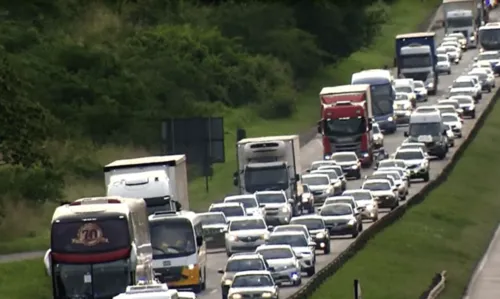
pixel 354 167
pixel 320 235
pixel 351 222
pixel 425 164
pixel 267 295
pixel 338 183
pixel 284 209
pixel 232 238
pixel 305 199
pixel 369 207
pixel 264 237
pixel 328 190
pixel 236 296
pixel 390 118
pixel 228 282
pixel 430 85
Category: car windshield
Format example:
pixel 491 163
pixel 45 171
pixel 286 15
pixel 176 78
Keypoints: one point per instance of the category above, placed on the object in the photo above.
pixel 376 186
pixel 412 145
pixel 460 92
pixel 330 173
pixel 464 101
pixel 442 58
pixel 488 56
pixel 344 126
pixel 317 165
pixel 336 210
pixel 316 180
pixel 294 240
pixel 337 169
pixel 401 97
pixel 239 265
pixel 331 201
pixel 405 89
pixel 447 109
pixel 252 280
pixel 215 218
pixel 290 228
pixel 392 174
pixel 264 198
pixel 409 155
pixel 344 158
pixel 418 84
pixel 426 109
pixel 481 76
pixel 419 129
pixel 276 253
pixel 450 49
pixel 248 202
pixel 247 224
pixel 229 211
pixel 311 224
pixel 450 118
pixel 462 84
pixel 359 195
pixel 391 163
pixel 381 177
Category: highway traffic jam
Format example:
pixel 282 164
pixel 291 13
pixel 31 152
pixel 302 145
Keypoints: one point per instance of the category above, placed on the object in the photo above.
pixel 380 139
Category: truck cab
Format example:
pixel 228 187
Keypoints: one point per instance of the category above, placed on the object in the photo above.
pixel 345 124
pixel 462 16
pixel 416 58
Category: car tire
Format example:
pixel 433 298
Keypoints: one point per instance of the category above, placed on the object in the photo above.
pixel 228 253
pixel 473 115
pixel 327 249
pixel 449 72
pixel 395 206
pixel 358 175
pixel 403 198
pixel 355 234
pixel 311 210
pixel 426 177
pixel 375 218
pixel 311 271
pixel 297 283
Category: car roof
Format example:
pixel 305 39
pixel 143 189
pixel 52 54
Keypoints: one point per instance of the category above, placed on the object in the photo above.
pixel 226 204
pixel 338 204
pixel 450 114
pixel 444 106
pixel 323 162
pixel 306 217
pixel 340 197
pixel 463 79
pixel 315 175
pixel 322 171
pixel 269 192
pixel 413 143
pixel 409 150
pixel 287 233
pixel 393 160
pixel 489 52
pixel 253 272
pixel 344 154
pixel 356 190
pixel 245 255
pixel 384 171
pixel 281 246
pixel 478 70
pixel 246 218
pixel 377 181
pixel 302 226
pixel 211 213
pixel 234 197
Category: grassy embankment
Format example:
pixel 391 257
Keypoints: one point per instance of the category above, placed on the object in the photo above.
pixel 405 16
pixel 448 231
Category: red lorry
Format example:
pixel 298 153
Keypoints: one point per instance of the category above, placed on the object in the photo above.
pixel 345 125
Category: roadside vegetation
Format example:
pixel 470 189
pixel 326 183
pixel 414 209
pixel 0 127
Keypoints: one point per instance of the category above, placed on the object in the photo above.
pixel 93 80
pixel 448 231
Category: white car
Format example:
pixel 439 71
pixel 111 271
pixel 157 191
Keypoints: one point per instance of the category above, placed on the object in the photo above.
pixel 421 91
pixel 385 194
pixel 417 162
pixel 317 164
pixel 460 38
pixel 402 107
pixel 349 161
pixel 341 199
pixel 467 105
pixel 320 186
pixel 453 52
pixel 335 181
pixel 341 219
pixel 378 137
pixel 426 109
pixel 482 64
pixel 489 72
pixel 492 57
pixel 284 261
pixel 245 234
pixel 442 51
pixel 451 136
pixel 401 184
pixel 249 202
pixel 411 145
pixel 454 122
pixel 366 203
pixel 278 208
pixel 466 84
pixel 247 283
pixel 454 44
pixel 303 248
pixel 453 103
pixel 484 79
pixel 443 63
pixel 447 109
pixel 406 86
pixel 231 210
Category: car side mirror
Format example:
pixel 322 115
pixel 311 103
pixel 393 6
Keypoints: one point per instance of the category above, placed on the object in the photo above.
pixel 224 230
pixel 220 271
pixel 395 189
pixel 270 228
pixel 271 269
pixel 262 206
pixel 356 214
pixel 475 59
pixel 312 244
pixel 299 256
pixel 406 134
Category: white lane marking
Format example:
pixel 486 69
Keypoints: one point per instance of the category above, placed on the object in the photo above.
pixel 213 291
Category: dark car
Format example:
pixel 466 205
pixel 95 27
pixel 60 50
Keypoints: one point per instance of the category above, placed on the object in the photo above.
pixel 317 229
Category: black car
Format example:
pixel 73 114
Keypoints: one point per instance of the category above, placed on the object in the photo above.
pixel 317 229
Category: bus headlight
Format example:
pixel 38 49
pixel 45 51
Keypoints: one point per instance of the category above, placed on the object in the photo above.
pixel 191 266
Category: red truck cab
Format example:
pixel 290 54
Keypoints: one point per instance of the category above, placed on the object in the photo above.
pixel 345 123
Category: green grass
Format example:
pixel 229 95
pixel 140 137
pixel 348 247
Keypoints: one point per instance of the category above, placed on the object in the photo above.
pixel 24 280
pixel 404 16
pixel 448 231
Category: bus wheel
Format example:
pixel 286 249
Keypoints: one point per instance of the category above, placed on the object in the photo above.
pixel 204 283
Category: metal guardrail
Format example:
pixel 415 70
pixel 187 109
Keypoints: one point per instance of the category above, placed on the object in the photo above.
pixel 436 287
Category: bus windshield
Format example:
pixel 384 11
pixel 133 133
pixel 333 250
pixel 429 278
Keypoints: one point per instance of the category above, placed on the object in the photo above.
pixel 96 281
pixel 172 238
pixel 101 235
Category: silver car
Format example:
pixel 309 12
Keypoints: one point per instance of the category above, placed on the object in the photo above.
pixel 320 186
pixel 254 283
pixel 278 209
pixel 304 249
pixel 367 204
pixel 245 234
pixel 284 261
pixel 401 184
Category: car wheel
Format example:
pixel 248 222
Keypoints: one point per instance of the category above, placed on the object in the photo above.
pixel 228 253
pixel 375 218
pixel 297 282
pixel 473 115
pixel 358 175
pixel 311 271
pixel 449 72
pixel 426 177
pixel 355 234
pixel 403 198
pixel 327 248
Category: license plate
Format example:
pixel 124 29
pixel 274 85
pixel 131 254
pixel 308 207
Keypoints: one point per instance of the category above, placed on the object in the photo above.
pixel 167 263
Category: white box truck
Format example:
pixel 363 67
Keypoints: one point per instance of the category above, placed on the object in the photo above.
pixel 160 180
pixel 269 163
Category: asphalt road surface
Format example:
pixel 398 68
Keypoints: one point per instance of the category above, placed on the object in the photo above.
pixel 313 151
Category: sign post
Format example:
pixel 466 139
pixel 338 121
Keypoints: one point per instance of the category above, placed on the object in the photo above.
pixel 357 289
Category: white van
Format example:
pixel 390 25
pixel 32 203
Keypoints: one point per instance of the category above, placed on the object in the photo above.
pixel 153 291
pixel 406 86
